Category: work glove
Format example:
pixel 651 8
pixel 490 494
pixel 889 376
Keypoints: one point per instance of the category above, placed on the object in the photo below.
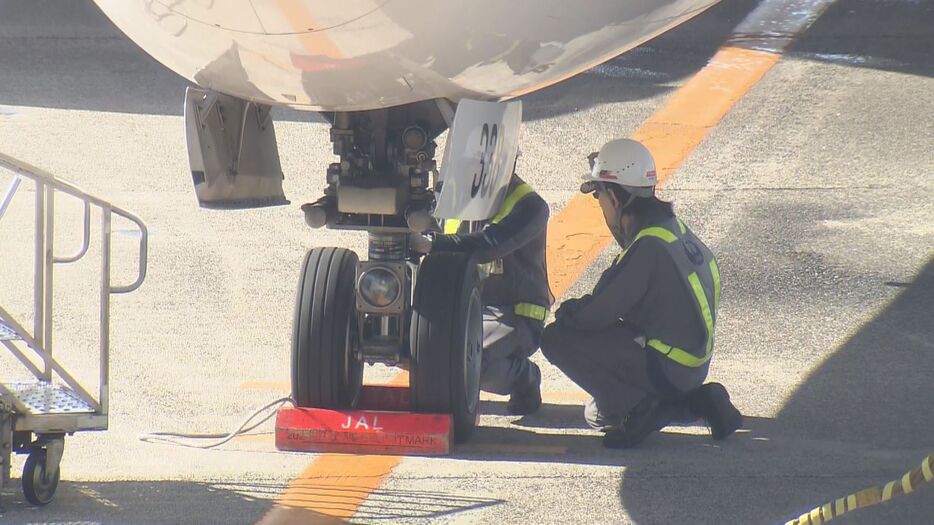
pixel 420 243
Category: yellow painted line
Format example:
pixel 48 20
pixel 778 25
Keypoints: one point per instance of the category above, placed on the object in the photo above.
pixel 336 485
pixel 578 234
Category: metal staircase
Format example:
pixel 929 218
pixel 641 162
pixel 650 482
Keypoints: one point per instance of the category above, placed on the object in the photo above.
pixel 36 415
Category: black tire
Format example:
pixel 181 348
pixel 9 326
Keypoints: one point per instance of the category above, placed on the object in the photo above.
pixel 38 488
pixel 446 340
pixel 325 370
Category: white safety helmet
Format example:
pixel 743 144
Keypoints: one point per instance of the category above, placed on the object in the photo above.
pixel 624 162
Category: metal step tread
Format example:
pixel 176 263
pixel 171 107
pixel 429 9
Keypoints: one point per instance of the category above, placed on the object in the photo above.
pixel 41 397
pixel 8 334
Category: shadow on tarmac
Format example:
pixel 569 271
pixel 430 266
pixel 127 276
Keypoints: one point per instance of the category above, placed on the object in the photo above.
pixel 161 502
pixel 844 405
pixel 885 35
pixel 548 416
pixel 142 502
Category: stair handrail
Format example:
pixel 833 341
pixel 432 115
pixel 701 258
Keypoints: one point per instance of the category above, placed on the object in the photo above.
pixel 40 340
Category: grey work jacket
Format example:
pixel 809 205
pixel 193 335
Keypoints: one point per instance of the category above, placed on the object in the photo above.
pixel 516 247
pixel 648 289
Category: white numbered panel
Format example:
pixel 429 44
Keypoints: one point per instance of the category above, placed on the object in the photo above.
pixel 478 159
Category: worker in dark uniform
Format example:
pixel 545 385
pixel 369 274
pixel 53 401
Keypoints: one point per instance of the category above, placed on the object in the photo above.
pixel 515 295
pixel 641 342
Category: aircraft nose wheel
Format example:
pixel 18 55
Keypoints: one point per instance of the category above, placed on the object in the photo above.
pixel 40 477
pixel 446 340
pixel 326 370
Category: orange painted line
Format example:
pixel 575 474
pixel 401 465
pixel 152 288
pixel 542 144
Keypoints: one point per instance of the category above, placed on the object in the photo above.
pixel 578 234
pixel 333 486
pixel 336 485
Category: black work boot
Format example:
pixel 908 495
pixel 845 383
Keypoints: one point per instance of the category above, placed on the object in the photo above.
pixel 712 402
pixel 527 399
pixel 650 415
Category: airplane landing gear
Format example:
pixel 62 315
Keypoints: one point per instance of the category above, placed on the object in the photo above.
pixel 327 368
pixel 447 340
pixel 401 307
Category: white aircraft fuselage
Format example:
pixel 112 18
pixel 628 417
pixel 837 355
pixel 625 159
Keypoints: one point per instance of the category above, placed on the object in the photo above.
pixel 350 55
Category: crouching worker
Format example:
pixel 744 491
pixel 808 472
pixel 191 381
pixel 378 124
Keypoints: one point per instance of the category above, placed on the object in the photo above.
pixel 641 342
pixel 515 295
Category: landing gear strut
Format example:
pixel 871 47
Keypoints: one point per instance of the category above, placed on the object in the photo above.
pixel 397 307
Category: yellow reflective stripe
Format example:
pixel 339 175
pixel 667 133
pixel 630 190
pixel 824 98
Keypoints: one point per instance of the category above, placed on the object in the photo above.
pixel 715 273
pixel 681 226
pixel 926 468
pixel 653 231
pixel 514 196
pixel 532 311
pixel 451 226
pixel 815 517
pixel 827 512
pixel 839 507
pixel 704 306
pixel 656 231
pixel 906 483
pixel 851 502
pixel 660 346
pixel 679 355
pixel 887 491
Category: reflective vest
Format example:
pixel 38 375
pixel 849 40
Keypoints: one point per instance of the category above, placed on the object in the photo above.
pixel 698 269
pixel 451 226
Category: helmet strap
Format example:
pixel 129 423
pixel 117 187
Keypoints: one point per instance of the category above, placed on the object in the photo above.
pixel 628 202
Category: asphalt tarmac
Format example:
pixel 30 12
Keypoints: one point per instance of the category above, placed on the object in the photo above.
pixel 816 193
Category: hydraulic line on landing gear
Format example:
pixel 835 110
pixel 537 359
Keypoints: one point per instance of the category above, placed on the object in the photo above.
pixel 912 480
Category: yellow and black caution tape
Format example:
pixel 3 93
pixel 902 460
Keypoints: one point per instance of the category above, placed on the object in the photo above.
pixel 912 479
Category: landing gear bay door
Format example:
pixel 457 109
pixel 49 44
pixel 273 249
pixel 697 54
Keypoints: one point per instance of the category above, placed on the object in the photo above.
pixel 478 159
pixel 232 151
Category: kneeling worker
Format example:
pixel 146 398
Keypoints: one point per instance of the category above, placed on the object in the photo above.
pixel 515 295
pixel 641 342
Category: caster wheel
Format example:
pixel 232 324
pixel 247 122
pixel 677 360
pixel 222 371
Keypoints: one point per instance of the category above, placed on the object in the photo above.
pixel 38 486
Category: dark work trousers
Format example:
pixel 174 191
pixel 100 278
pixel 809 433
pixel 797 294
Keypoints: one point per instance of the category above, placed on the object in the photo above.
pixel 610 365
pixel 508 342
